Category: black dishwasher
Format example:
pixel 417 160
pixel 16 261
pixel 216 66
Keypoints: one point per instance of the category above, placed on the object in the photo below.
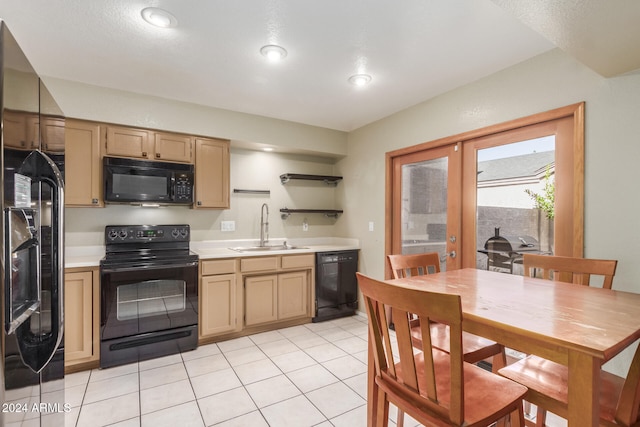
pixel 336 284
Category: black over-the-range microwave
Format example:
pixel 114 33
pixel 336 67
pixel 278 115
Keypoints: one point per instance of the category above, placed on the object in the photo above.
pixel 141 181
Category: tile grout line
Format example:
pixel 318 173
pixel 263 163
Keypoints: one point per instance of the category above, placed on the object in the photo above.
pixel 192 389
pixel 255 344
pixel 317 362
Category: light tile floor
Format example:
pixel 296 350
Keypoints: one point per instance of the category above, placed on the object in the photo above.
pixel 308 375
pixel 303 376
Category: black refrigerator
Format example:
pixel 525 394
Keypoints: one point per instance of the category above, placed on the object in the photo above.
pixel 32 268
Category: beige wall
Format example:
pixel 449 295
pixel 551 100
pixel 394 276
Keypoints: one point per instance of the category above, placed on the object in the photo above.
pixel 253 170
pixel 88 102
pixel 543 83
pixel 551 80
pixel 249 169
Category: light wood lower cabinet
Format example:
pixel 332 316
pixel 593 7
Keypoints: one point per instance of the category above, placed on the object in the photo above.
pixel 252 294
pixel 220 298
pixel 276 297
pixel 260 299
pixel 280 296
pixel 81 317
pixel 293 295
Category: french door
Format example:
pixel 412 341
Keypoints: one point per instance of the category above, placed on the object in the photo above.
pixel 427 205
pixel 434 189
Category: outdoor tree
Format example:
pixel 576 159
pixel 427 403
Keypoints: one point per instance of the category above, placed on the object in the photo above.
pixel 545 200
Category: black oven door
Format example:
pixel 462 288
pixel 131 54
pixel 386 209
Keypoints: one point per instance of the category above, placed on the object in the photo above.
pixel 137 301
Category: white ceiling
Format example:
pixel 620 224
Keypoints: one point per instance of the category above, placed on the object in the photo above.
pixel 413 49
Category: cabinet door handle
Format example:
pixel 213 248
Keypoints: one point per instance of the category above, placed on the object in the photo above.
pixel 94 201
pixel 157 155
pixel 199 203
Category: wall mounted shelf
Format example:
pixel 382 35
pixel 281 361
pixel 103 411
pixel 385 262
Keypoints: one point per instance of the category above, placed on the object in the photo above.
pixel 243 191
pixel 331 213
pixel 327 179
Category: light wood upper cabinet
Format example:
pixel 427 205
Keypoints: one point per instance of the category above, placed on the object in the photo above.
pixel 173 147
pixel 129 142
pixel 83 166
pixel 81 321
pixel 52 131
pixel 148 145
pixel 20 130
pixel 87 142
pixel 212 174
pixel 14 131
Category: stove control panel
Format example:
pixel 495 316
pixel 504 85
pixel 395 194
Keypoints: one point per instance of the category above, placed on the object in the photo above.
pixel 115 234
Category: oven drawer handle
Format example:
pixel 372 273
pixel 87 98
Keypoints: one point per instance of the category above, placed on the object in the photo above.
pixel 138 268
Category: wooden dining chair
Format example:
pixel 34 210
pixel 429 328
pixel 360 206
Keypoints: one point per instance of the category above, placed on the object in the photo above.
pixel 534 371
pixel 475 348
pixel 414 265
pixel 434 387
pixel 547 384
pixel 570 269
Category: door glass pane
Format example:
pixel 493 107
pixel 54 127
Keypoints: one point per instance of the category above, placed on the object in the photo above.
pixel 515 203
pixel 424 207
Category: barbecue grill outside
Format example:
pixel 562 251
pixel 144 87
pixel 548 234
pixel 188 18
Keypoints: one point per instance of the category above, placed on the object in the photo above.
pixel 504 251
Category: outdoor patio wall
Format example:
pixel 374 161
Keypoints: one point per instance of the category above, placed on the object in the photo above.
pixel 551 80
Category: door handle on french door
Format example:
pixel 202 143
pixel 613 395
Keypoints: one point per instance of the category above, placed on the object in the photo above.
pixel 451 254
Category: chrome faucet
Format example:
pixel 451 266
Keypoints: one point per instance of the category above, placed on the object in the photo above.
pixel 264 225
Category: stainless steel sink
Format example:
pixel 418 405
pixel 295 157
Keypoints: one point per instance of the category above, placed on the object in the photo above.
pixel 266 248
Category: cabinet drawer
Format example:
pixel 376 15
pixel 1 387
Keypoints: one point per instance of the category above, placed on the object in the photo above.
pixel 258 264
pixel 297 261
pixel 218 266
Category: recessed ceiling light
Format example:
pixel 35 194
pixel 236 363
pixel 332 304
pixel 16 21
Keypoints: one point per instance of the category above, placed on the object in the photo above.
pixel 159 17
pixel 360 79
pixel 267 149
pixel 273 52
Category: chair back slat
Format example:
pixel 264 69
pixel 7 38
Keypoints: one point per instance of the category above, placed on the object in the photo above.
pixel 405 349
pixel 416 380
pixel 629 402
pixel 425 331
pixel 376 335
pixel 414 265
pixel 570 269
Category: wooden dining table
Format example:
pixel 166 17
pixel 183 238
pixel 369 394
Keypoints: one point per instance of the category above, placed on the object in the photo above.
pixel 578 326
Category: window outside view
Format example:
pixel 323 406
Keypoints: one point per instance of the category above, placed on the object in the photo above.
pixel 515 203
pixel 424 207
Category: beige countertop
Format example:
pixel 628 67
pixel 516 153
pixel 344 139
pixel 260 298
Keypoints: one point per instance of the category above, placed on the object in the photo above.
pixel 90 256
pixel 83 256
pixel 220 249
